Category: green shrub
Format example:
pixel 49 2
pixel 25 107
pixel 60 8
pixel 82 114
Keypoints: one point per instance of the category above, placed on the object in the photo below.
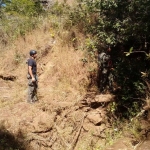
pixel 125 26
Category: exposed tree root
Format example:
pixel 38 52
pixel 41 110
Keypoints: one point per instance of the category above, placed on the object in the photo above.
pixel 74 143
pixel 49 129
pixel 9 77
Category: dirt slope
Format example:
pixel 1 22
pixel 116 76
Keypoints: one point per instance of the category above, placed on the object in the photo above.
pixel 51 123
pixel 66 117
pixel 55 124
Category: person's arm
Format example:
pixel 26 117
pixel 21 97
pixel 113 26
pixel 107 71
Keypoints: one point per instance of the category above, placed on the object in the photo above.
pixel 31 74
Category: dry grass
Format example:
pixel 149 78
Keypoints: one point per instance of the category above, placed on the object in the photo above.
pixel 61 72
pixel 69 2
pixel 62 76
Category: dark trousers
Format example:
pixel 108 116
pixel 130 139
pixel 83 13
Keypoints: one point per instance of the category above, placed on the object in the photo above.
pixel 104 80
pixel 32 89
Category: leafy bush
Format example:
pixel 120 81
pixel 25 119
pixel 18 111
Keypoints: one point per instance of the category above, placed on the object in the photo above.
pixel 19 17
pixel 124 26
pixel 23 7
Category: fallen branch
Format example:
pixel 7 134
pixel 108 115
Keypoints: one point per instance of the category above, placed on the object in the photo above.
pixel 45 131
pixel 74 143
pixel 138 115
pixel 8 77
pixel 138 145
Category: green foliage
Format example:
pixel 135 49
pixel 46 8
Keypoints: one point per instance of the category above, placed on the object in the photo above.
pixel 90 49
pixel 18 58
pixel 134 127
pixel 59 9
pixel 113 21
pixel 19 17
pixel 125 26
pixel 17 26
pixel 23 7
pixel 2 2
pixel 80 17
pixel 132 87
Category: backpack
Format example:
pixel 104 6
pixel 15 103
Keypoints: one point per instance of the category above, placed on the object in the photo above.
pixel 27 61
pixel 101 59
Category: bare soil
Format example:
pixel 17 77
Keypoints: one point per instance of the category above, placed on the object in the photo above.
pixel 54 124
pixel 62 125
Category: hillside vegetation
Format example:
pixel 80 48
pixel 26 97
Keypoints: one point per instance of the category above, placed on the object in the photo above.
pixel 71 113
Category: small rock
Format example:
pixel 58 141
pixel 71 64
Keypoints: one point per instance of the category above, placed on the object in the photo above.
pixel 94 117
pixel 104 98
pixel 88 126
pixel 86 109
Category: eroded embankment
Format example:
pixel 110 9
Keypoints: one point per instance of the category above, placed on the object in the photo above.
pixel 66 116
pixel 58 124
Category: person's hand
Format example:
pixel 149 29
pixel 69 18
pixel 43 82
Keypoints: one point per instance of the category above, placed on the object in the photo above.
pixel 33 79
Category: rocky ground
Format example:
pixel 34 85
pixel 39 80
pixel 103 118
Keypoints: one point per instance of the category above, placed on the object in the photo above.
pixel 55 124
pixel 60 125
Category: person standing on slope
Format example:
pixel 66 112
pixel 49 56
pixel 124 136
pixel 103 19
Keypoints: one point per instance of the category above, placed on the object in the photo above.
pixel 32 77
pixel 105 68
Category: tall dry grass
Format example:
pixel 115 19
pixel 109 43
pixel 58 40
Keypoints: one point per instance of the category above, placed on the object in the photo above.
pixel 62 75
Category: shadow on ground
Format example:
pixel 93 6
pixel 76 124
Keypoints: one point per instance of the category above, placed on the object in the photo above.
pixel 8 141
